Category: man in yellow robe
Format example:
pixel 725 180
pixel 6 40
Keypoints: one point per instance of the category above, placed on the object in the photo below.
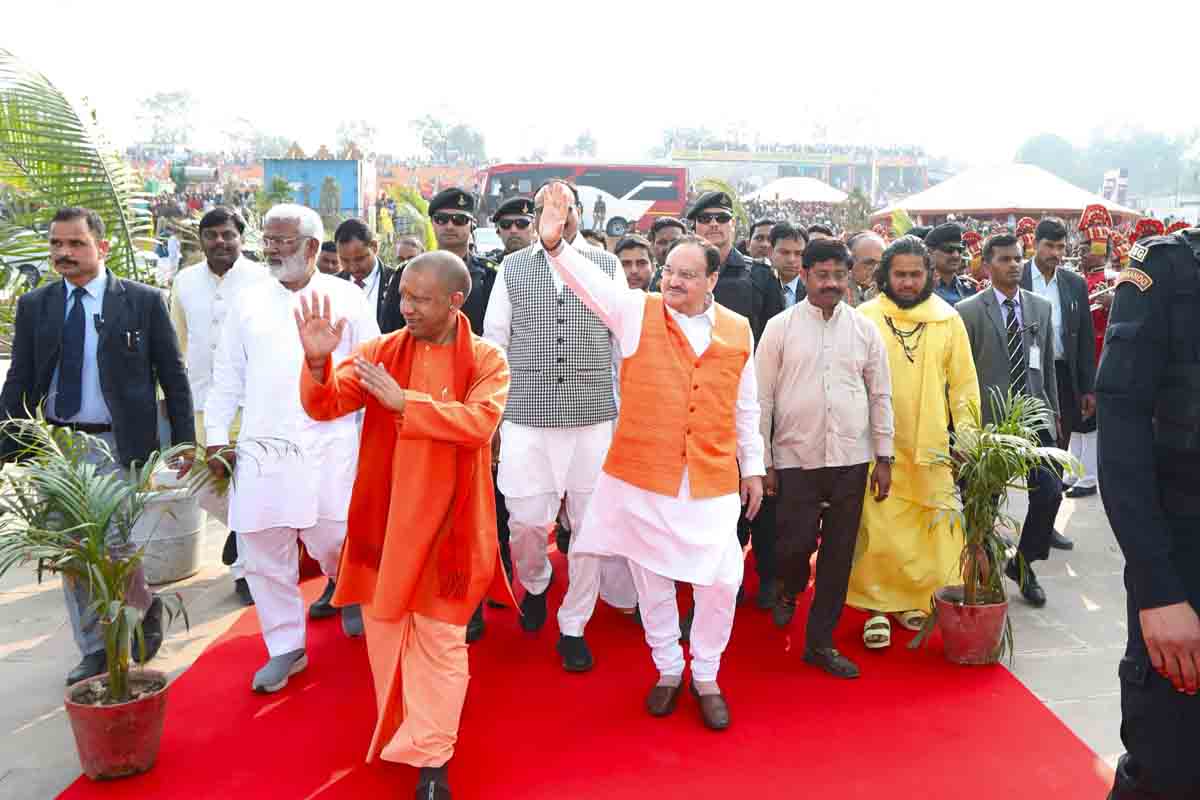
pixel 908 548
pixel 421 549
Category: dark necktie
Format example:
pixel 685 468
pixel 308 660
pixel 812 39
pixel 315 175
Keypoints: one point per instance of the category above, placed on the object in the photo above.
pixel 70 365
pixel 361 283
pixel 1016 349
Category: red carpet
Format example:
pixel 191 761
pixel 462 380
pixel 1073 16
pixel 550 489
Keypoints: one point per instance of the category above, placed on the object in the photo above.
pixel 913 726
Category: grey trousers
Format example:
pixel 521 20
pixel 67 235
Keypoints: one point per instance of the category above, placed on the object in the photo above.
pixel 84 621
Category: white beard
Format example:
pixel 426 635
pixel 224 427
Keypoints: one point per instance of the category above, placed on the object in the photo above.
pixel 293 268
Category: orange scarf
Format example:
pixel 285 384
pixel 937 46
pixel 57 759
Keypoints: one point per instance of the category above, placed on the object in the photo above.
pixel 371 499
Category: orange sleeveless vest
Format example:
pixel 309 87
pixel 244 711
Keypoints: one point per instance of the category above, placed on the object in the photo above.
pixel 677 410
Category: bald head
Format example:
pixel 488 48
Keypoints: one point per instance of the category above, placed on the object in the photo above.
pixel 448 268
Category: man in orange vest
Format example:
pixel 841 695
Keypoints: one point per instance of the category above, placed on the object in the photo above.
pixel 669 496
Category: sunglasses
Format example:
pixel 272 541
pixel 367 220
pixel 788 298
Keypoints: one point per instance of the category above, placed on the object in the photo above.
pixel 521 224
pixel 457 219
pixel 951 249
pixel 708 219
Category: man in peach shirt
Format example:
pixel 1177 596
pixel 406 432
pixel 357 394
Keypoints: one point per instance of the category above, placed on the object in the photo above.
pixel 826 394
pixel 421 549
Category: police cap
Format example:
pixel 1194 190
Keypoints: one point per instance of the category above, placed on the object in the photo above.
pixel 453 200
pixel 514 205
pixel 709 200
pixel 947 233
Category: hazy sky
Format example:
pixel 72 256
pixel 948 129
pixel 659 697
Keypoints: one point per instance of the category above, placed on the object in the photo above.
pixel 966 80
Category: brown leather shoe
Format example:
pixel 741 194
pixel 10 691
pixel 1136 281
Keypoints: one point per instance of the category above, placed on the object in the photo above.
pixel 713 709
pixel 661 700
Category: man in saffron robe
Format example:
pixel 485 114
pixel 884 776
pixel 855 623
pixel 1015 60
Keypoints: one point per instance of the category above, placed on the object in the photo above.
pixel 421 548
pixel 908 550
pixel 669 496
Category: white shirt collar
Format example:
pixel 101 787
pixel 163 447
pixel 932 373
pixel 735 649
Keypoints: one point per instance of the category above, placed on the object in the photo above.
pixel 94 287
pixel 709 313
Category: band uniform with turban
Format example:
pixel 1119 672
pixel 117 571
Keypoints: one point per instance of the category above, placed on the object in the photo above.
pixel 1026 228
pixel 1145 228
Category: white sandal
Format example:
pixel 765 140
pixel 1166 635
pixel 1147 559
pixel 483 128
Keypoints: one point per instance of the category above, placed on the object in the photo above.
pixel 877 633
pixel 911 620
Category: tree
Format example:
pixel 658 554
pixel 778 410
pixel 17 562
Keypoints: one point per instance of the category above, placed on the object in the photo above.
pixel 358 132
pixel 585 145
pixel 432 132
pixel 167 116
pixel 1053 154
pixel 465 143
pixel 1157 162
pixel 247 139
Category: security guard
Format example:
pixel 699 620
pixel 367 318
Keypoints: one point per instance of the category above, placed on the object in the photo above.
pixel 453 215
pixel 514 223
pixel 1148 393
pixel 744 285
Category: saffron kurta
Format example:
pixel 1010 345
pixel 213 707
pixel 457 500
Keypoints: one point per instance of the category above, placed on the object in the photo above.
pixel 415 634
pixel 907 549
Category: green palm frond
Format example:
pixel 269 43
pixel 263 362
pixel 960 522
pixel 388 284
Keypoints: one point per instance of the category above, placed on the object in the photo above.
pixel 54 155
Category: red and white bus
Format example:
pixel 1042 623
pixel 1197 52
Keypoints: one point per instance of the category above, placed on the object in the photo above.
pixel 632 194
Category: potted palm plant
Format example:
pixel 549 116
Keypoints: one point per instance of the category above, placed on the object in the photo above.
pixel 989 460
pixel 72 511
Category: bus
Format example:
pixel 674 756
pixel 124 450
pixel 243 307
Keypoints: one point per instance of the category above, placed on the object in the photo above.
pixel 632 195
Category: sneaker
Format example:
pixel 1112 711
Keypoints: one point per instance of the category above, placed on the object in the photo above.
pixel 322 607
pixel 275 673
pixel 352 621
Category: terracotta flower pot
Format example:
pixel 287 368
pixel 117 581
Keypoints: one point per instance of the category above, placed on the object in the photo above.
pixel 118 740
pixel 970 634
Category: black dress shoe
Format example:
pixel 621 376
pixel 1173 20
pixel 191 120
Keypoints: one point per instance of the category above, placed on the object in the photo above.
pixel 766 594
pixel 685 625
pixel 1060 542
pixel 93 664
pixel 562 539
pixel 713 709
pixel 661 700
pixel 833 662
pixel 152 632
pixel 785 609
pixel 475 626
pixel 576 657
pixel 533 610
pixel 322 607
pixel 242 590
pixel 229 552
pixel 1076 492
pixel 432 784
pixel 1031 590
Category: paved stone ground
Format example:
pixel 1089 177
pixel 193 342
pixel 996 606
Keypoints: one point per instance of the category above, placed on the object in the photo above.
pixel 1066 653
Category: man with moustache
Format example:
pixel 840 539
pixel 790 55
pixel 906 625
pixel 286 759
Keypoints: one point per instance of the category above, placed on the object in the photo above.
pixel 759 243
pixel 327 260
pixel 663 233
pixel 945 245
pixel 634 254
pixel 1010 332
pixel 201 297
pixel 514 222
pixel 292 474
pixel 825 391
pixel 745 287
pixel 866 249
pixel 911 550
pixel 90 351
pixel 453 214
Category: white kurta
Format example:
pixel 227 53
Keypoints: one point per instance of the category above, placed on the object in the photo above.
pixel 257 366
pixel 681 537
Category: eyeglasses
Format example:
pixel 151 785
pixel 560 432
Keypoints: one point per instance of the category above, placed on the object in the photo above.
pixel 521 224
pixel 683 275
pixel 708 219
pixel 210 235
pixel 458 219
pixel 280 241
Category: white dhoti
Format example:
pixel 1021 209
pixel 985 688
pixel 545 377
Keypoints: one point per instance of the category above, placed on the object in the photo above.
pixel 1084 447
pixel 539 467
pixel 272 564
pixel 668 539
pixel 216 505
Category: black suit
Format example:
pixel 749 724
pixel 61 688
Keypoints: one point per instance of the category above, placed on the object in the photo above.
pixel 386 274
pixel 1076 372
pixel 750 288
pixel 483 278
pixel 137 351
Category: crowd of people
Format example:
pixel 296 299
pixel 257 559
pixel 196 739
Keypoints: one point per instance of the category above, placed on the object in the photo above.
pixel 792 211
pixel 849 153
pixel 444 417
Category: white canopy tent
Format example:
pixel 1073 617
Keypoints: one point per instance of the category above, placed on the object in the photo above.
pixel 1017 189
pixel 800 190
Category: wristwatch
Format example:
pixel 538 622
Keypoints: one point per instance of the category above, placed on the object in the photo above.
pixel 885 459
